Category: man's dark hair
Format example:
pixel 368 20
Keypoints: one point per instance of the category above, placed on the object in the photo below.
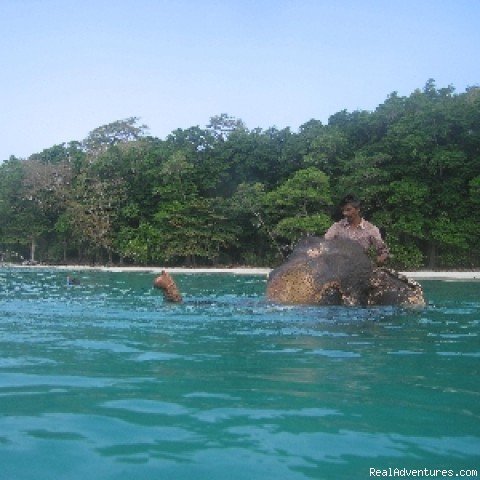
pixel 352 200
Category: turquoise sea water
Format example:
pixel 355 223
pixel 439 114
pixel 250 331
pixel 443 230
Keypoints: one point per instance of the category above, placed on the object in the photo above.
pixel 105 381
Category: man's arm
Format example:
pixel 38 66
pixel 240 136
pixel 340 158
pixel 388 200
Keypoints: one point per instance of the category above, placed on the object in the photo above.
pixel 380 246
pixel 331 233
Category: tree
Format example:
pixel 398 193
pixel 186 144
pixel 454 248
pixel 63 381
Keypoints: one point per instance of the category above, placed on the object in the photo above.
pixel 328 150
pixel 196 228
pixel 23 215
pixel 248 210
pixel 223 125
pixel 120 131
pixel 140 244
pixel 367 175
pixel 427 147
pixel 92 212
pixel 226 193
pixel 176 175
pixel 300 205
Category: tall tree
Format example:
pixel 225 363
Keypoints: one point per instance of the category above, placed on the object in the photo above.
pixel 300 205
pixel 223 125
pixel 120 131
pixel 194 229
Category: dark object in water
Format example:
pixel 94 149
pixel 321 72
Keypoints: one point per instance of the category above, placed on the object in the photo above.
pixel 72 280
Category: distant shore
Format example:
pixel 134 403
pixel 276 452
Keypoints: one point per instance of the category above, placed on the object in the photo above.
pixel 418 275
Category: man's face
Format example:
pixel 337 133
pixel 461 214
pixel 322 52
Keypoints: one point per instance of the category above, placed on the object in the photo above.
pixel 350 212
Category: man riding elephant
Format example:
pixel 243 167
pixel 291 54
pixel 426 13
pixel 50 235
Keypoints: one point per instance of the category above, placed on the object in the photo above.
pixel 336 269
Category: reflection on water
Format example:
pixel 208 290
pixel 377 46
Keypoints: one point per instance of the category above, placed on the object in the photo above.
pixel 120 385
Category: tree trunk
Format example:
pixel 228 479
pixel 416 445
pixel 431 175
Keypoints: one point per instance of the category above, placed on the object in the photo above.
pixel 432 255
pixel 33 245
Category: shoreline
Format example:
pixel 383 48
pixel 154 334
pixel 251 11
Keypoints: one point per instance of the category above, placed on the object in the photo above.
pixel 416 275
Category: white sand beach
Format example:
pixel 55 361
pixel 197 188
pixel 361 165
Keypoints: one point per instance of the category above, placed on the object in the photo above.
pixel 417 275
pixel 447 275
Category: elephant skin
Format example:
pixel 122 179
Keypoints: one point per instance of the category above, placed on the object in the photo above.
pixel 338 272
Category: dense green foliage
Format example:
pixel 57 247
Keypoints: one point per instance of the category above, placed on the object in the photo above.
pixel 228 195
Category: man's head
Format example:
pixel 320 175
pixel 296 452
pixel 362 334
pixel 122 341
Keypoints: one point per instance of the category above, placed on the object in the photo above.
pixel 350 206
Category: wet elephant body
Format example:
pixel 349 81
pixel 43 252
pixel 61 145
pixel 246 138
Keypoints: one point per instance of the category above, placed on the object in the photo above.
pixel 338 272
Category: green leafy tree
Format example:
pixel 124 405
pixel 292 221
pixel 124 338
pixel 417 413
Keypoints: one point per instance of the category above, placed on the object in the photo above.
pixel 226 193
pixel 141 244
pixel 247 208
pixel 23 220
pixel 366 174
pixel 300 205
pixel 223 125
pixel 118 132
pixel 328 151
pixel 192 230
pixel 92 212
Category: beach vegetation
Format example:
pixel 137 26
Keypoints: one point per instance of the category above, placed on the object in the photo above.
pixel 225 194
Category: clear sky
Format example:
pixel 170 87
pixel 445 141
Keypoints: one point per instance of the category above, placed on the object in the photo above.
pixel 69 66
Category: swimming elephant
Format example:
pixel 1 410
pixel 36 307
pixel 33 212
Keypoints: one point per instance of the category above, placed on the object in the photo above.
pixel 338 272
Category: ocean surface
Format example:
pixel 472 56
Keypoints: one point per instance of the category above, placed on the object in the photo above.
pixel 103 380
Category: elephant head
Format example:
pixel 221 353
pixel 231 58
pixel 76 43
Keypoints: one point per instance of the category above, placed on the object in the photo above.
pixel 389 287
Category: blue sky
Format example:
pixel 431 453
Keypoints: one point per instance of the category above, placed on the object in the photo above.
pixel 69 66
